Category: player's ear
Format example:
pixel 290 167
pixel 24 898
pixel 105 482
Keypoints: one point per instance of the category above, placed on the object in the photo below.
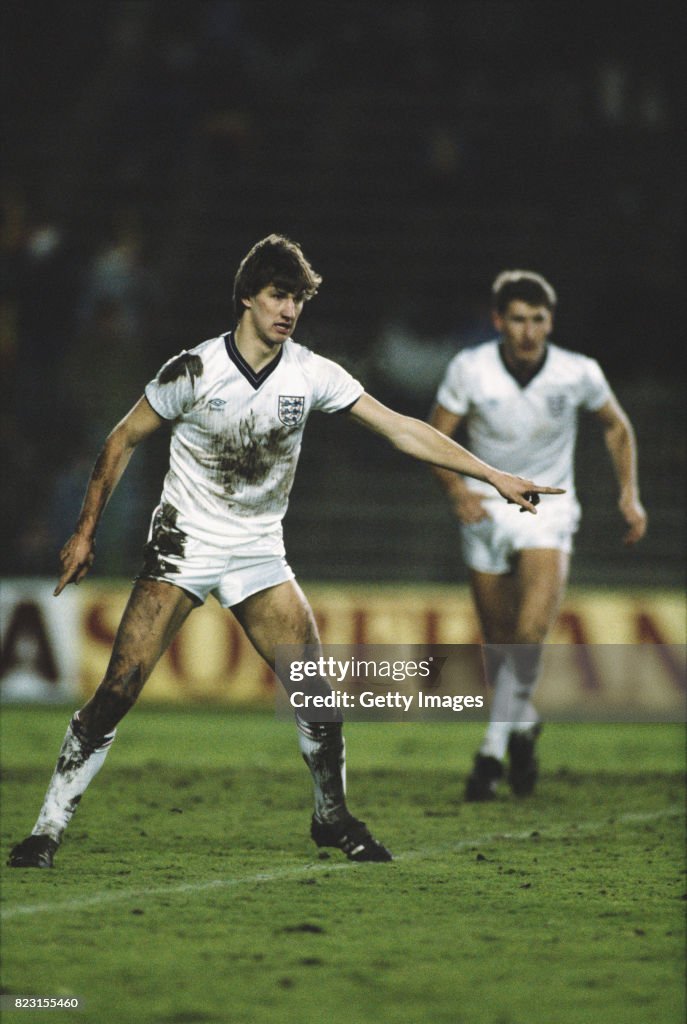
pixel 247 303
pixel 497 320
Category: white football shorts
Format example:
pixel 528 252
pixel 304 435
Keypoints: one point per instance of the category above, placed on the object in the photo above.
pixel 492 544
pixel 201 569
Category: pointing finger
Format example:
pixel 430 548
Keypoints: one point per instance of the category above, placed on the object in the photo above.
pixel 63 580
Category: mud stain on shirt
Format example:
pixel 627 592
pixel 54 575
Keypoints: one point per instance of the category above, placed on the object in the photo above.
pixel 248 457
pixel 186 363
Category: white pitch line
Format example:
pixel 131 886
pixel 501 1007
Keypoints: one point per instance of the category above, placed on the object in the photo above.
pixel 120 895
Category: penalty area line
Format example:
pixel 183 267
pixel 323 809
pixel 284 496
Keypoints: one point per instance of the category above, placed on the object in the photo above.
pixel 570 829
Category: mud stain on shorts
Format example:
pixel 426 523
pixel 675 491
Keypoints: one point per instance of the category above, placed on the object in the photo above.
pixel 166 539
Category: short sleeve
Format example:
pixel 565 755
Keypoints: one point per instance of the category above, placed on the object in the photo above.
pixel 453 392
pixel 596 389
pixel 171 392
pixel 334 389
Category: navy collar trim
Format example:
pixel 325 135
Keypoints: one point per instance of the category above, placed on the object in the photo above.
pixel 254 379
pixel 514 375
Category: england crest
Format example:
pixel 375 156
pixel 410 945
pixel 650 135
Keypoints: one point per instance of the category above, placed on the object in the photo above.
pixel 556 404
pixel 291 409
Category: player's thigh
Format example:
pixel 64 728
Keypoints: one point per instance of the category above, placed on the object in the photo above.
pixel 153 614
pixel 495 598
pixel 542 574
pixel 277 615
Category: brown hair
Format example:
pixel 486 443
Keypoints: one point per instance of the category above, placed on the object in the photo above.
pixel 274 260
pixel 522 285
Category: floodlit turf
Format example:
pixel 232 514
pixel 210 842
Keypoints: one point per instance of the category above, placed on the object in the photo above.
pixel 187 889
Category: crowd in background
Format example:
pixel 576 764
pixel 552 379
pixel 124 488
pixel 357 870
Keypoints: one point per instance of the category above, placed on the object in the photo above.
pixel 413 148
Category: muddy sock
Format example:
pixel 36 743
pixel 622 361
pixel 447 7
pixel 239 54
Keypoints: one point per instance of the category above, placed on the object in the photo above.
pixel 79 761
pixel 323 748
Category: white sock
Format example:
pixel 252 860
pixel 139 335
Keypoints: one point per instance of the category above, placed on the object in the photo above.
pixel 495 742
pixel 79 761
pixel 526 659
pixel 324 751
pixel 513 670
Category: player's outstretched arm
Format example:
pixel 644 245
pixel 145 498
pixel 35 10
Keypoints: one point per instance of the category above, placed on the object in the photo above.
pixel 468 506
pixel 76 557
pixel 421 441
pixel 622 448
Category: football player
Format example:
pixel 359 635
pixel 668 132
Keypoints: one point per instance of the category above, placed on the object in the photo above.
pixel 519 397
pixel 237 405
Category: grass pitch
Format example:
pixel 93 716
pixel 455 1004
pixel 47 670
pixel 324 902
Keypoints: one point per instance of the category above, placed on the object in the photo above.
pixel 187 888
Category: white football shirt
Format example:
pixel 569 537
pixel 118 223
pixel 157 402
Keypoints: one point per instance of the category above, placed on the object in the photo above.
pixel 236 436
pixel 530 431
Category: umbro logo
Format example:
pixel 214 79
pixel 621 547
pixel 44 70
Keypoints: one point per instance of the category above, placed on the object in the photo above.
pixel 216 403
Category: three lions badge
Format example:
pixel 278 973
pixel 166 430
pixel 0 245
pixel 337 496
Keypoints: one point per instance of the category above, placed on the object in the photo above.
pixel 291 408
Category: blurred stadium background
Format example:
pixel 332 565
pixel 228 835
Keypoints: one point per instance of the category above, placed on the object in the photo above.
pixel 414 149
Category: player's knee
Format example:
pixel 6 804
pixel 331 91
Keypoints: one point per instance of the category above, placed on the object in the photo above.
pixel 533 632
pixel 116 695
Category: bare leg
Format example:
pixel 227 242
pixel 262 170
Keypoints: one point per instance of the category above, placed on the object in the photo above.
pixel 278 615
pixel 152 616
pixel 542 575
pixel 496 601
pixel 516 612
pixel 154 613
pixel 282 615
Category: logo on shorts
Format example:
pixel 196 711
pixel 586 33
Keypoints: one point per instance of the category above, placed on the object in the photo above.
pixel 217 403
pixel 291 408
pixel 556 404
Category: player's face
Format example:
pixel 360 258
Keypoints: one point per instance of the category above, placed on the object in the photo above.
pixel 524 330
pixel 273 313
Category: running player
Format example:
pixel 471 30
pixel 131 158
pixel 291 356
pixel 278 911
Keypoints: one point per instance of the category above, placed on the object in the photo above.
pixel 237 405
pixel 519 396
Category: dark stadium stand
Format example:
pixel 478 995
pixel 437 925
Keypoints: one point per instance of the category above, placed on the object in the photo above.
pixel 412 167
